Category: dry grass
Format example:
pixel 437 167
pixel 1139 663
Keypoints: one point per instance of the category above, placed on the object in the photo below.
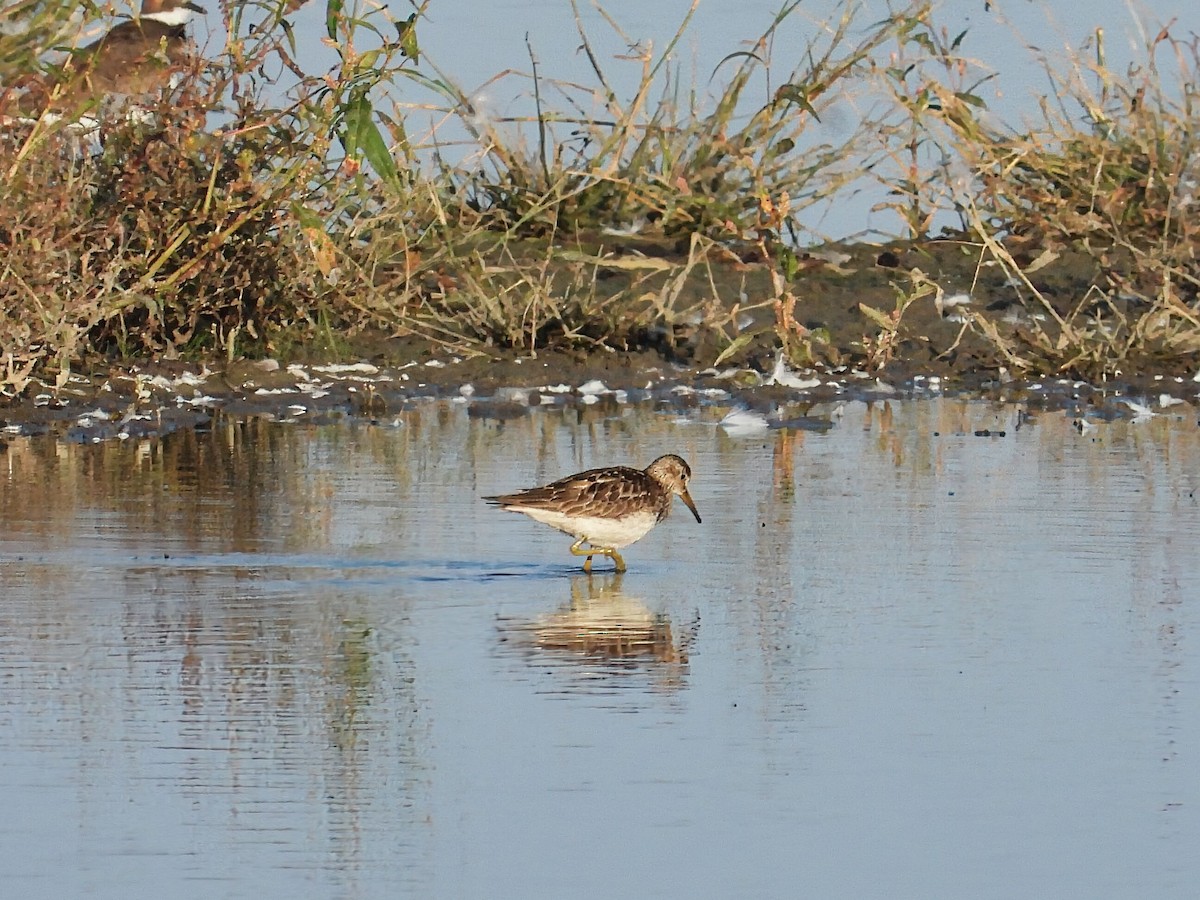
pixel 292 225
pixel 1102 186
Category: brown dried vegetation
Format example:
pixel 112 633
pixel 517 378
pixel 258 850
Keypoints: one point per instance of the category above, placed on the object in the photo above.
pixel 233 224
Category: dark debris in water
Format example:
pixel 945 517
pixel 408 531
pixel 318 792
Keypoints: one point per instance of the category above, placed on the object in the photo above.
pixel 142 402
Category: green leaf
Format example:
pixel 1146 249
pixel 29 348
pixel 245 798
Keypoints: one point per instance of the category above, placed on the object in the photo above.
pixel 333 12
pixel 362 138
pixel 366 62
pixel 308 218
pixel 780 147
pixel 923 40
pixel 883 320
pixel 788 263
pixel 737 345
pixel 795 94
pixel 408 38
pixel 375 149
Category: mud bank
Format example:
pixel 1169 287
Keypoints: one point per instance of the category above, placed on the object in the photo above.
pixel 137 402
pixel 933 352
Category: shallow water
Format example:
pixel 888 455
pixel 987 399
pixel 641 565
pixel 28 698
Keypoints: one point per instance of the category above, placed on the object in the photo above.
pixel 897 659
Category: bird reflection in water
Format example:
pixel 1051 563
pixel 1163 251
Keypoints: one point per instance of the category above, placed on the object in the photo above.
pixel 604 631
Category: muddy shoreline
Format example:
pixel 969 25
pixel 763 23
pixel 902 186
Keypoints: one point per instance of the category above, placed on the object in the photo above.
pixel 145 401
pixel 379 375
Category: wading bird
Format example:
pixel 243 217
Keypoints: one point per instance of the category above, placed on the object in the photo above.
pixel 607 508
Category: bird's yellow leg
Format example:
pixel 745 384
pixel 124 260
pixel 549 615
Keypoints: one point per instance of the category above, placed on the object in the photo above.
pixel 577 549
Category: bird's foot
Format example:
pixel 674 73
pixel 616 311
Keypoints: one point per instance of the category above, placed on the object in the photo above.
pixel 578 549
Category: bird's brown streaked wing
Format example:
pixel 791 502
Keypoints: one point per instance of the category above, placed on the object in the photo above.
pixel 604 493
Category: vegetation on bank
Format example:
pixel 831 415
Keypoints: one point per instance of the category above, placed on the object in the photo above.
pixel 241 222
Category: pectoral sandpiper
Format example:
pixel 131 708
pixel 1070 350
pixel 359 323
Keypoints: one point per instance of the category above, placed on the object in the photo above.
pixel 606 508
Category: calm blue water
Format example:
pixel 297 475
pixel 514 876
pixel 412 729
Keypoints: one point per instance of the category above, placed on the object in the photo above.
pixel 895 660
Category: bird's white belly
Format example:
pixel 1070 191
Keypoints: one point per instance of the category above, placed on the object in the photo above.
pixel 611 534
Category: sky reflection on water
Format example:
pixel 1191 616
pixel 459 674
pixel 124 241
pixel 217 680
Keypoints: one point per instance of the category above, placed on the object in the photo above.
pixel 897 659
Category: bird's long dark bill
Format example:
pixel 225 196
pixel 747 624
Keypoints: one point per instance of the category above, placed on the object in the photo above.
pixel 687 498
